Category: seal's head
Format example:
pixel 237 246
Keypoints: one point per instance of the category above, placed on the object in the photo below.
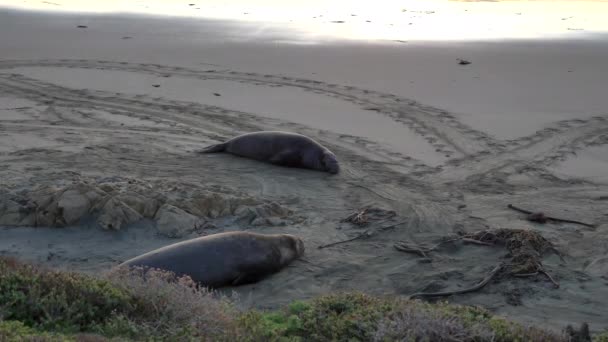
pixel 329 162
pixel 291 248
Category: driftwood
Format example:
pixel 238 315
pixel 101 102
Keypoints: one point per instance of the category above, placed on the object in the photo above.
pixel 473 288
pixel 525 253
pixel 423 251
pixel 540 217
pixel 410 248
pixel 365 234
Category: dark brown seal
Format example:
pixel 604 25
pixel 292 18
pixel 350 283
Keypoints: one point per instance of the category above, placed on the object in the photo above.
pixel 280 148
pixel 225 259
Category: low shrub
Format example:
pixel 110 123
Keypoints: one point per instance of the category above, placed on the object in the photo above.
pixel 47 306
pixel 359 317
pixel 124 304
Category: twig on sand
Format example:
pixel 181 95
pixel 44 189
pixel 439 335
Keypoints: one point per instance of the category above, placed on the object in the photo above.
pixel 365 234
pixel 409 248
pixel 542 218
pixel 391 226
pixel 556 284
pixel 423 251
pixel 476 242
pixel 476 287
pixel 371 190
pixel 541 271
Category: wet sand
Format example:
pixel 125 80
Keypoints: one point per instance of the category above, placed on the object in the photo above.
pixel 445 146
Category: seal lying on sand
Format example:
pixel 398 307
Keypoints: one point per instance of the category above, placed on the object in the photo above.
pixel 280 148
pixel 232 258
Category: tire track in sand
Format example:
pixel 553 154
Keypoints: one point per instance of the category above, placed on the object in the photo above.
pixel 538 150
pixel 441 129
pixel 211 123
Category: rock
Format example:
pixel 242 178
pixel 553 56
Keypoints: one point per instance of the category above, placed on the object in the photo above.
pixel 146 207
pixel 43 196
pixel 73 205
pixel 115 214
pixel 209 204
pixel 246 214
pixel 107 188
pixel 259 221
pixel 264 214
pixel 174 222
pixel 272 209
pixel 14 214
pixel 58 207
pixel 47 213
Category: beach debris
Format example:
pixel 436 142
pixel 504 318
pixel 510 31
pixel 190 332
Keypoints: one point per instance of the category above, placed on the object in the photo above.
pixel 217 94
pixel 473 288
pixel 541 217
pixel 366 234
pixel 338 22
pixel 358 218
pixel 82 26
pixel 463 62
pixel 525 250
pixel 156 85
pixel 362 216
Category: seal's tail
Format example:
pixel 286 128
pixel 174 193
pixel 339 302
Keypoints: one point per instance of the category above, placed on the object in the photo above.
pixel 213 148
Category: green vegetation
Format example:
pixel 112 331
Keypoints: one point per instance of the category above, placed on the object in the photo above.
pixel 43 305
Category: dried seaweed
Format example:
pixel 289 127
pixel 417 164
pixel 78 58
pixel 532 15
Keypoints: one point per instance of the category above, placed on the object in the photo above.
pixel 364 216
pixel 366 234
pixel 525 250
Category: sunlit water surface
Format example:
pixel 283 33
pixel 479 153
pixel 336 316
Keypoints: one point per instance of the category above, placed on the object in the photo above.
pixel 372 20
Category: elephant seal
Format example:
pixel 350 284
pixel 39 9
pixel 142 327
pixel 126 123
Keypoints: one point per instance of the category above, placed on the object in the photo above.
pixel 280 148
pixel 224 259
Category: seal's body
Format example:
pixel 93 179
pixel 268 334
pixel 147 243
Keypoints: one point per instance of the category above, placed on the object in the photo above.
pixel 224 259
pixel 280 148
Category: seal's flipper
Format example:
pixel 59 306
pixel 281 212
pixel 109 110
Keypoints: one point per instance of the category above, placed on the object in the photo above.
pixel 287 158
pixel 213 148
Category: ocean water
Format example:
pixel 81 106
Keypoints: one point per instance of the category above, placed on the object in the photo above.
pixel 373 20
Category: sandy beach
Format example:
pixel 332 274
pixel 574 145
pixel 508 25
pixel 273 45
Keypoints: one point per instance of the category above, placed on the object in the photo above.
pixel 99 125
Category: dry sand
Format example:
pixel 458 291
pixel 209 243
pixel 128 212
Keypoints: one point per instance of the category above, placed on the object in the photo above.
pixel 445 146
